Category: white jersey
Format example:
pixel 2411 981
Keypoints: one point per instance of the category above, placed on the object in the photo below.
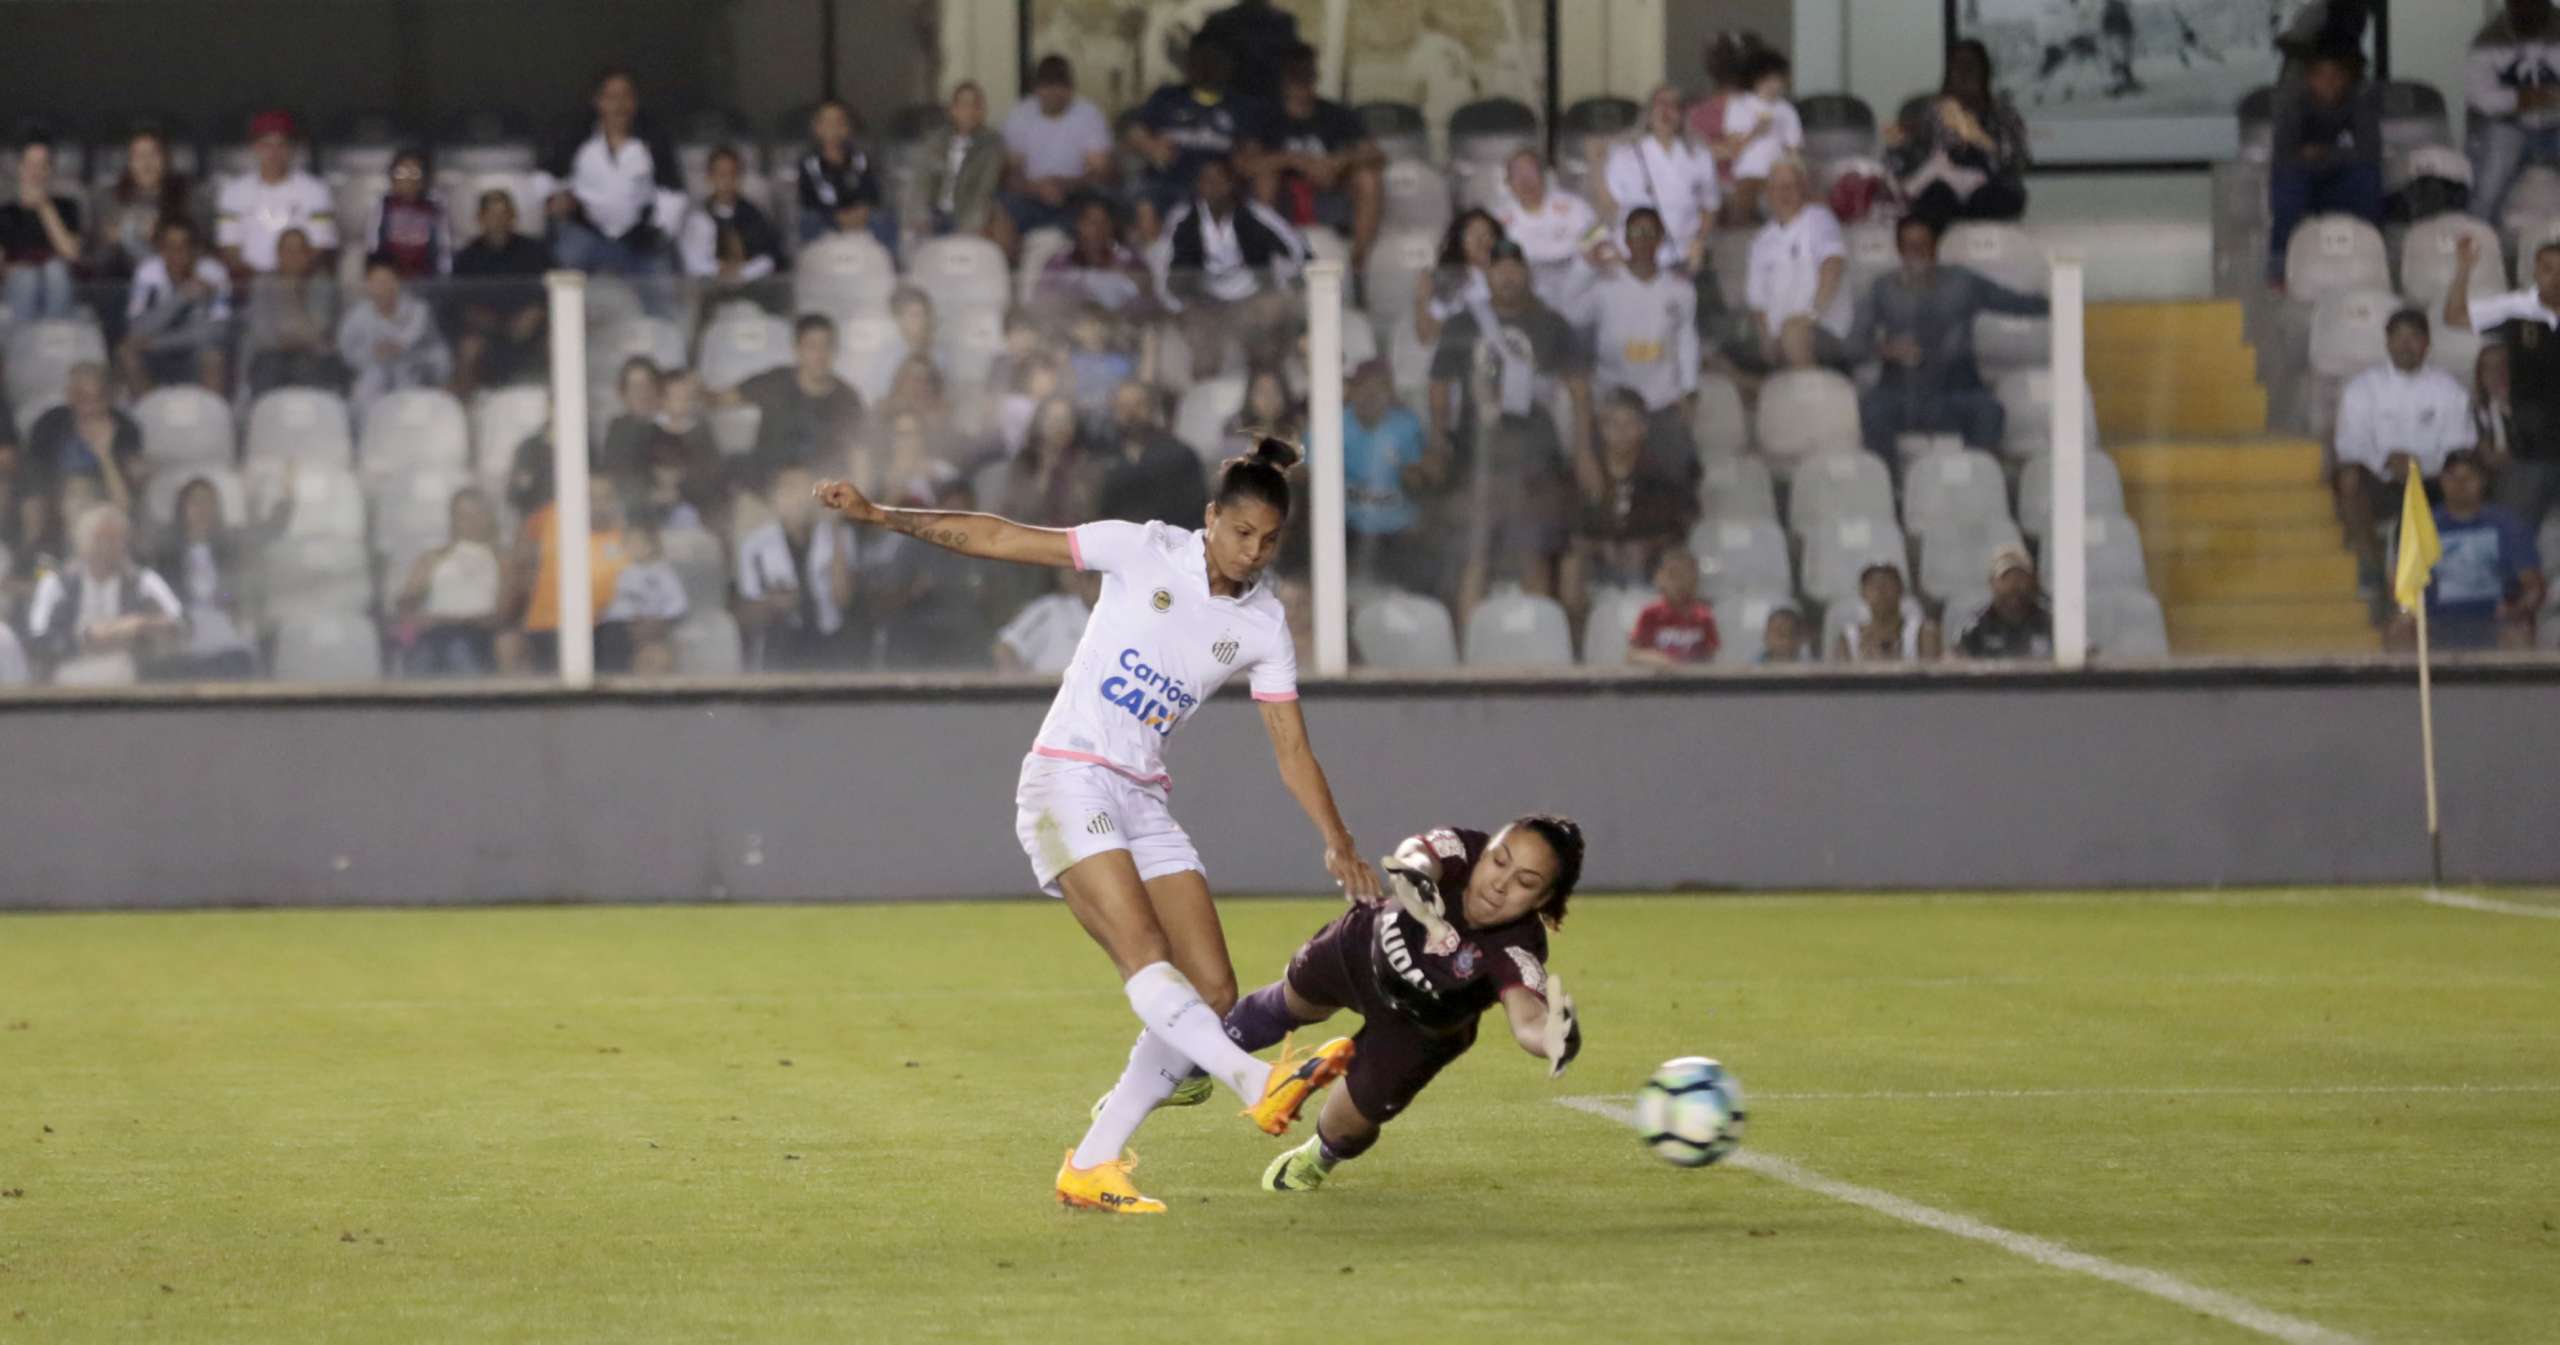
pixel 1158 645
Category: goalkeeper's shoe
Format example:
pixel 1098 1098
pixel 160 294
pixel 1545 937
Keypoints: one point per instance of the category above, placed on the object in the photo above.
pixel 1295 1078
pixel 1104 1186
pixel 1300 1169
pixel 1190 1092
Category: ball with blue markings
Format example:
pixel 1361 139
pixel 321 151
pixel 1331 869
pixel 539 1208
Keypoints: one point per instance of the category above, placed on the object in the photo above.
pixel 1690 1112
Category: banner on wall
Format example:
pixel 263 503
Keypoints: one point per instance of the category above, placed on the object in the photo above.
pixel 1435 54
pixel 2135 82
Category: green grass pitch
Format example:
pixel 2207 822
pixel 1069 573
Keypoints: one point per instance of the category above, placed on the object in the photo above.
pixel 840 1123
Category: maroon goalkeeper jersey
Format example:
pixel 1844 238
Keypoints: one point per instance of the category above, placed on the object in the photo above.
pixel 1444 989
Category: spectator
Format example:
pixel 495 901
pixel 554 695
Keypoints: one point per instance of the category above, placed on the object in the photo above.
pixel 2328 152
pixel 127 214
pixel 911 312
pixel 39 238
pixel 642 390
pixel 1677 627
pixel 932 602
pixel 1057 147
pixel 1760 128
pixel 1184 126
pixel 962 167
pixel 1043 636
pixel 810 414
pixel 1782 637
pixel 255 209
pixel 1918 322
pixel 2528 324
pixel 1231 270
pixel 795 580
pixel 13 658
pixel 449 603
pixel 1049 482
pixel 1096 366
pixel 1257 37
pixel 1632 507
pixel 178 318
pixel 1148 476
pixel 529 483
pixel 1892 627
pixel 94 620
pixel 728 239
pixel 293 322
pixel 212 565
pixel 1099 270
pixel 839 192
pixel 1799 268
pixel 678 480
pixel 1723 59
pixel 31 543
pixel 389 341
pixel 409 223
pixel 1269 412
pixel 1963 154
pixel 1554 227
pixel 917 388
pixel 2493 409
pixel 1663 168
pixel 2513 78
pixel 1313 160
pixel 533 575
pixel 1385 468
pixel 896 454
pixel 2016 625
pixel 2489 584
pixel 1644 341
pixel 635 632
pixel 88 437
pixel 2397 417
pixel 1491 383
pixel 1458 281
pixel 1029 383
pixel 504 316
pixel 615 192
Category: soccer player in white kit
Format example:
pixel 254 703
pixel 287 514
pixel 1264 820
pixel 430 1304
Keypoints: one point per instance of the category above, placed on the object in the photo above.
pixel 1181 612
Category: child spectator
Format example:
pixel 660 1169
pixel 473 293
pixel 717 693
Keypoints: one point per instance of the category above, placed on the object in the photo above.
pixel 448 603
pixel 292 337
pixel 1385 466
pixel 1268 411
pixel 1782 636
pixel 390 341
pixel 728 239
pixel 1891 626
pixel 839 192
pixel 39 238
pixel 635 631
pixel 1677 627
pixel 1096 368
pixel 1760 128
pixel 1632 507
pixel 409 224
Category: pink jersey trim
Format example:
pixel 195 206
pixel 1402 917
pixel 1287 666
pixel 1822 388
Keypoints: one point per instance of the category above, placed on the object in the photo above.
pixel 1075 551
pixel 1275 697
pixel 1062 754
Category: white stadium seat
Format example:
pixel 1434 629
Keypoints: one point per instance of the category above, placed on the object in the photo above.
pixel 41 353
pixel 868 352
pixel 1742 556
pixel 2127 623
pixel 2533 200
pixel 304 424
pixel 1871 256
pixel 316 574
pixel 701 562
pixel 1040 247
pixel 2332 254
pixel 1955 555
pixel 1737 488
pixel 2427 259
pixel 1400 263
pixel 327 501
pixel 961 272
pixel 1512 629
pixel 1742 623
pixel 2347 332
pixel 1404 630
pixel 1611 620
pixel 1417 197
pixel 2013 257
pixel 2027 395
pixel 184 424
pixel 1806 412
pixel 967 347
pixel 414 429
pixel 1200 420
pixel 1722 425
pixel 844 276
pixel 654 339
pixel 412 515
pixel 706 644
pixel 316 648
pixel 736 348
pixel 1837 552
pixel 2114 549
pixel 2102 491
pixel 1965 486
pixel 1836 486
pixel 2454 350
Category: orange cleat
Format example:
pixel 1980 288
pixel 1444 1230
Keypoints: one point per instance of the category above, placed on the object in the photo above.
pixel 1105 1187
pixel 1294 1079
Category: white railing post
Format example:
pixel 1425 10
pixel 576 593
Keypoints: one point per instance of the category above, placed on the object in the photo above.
pixel 1324 467
pixel 2066 553
pixel 568 292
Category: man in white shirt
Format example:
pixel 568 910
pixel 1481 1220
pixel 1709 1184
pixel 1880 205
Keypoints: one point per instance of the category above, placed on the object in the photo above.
pixel 616 194
pixel 1555 228
pixel 1665 169
pixel 2396 418
pixel 2528 325
pixel 1643 321
pixel 1043 636
pixel 1799 268
pixel 1056 145
pixel 254 211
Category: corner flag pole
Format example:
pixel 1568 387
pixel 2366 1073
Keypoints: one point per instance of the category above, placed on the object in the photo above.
pixel 2420 549
pixel 2427 740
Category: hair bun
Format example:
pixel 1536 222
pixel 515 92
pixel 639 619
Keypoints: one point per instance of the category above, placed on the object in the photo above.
pixel 1276 451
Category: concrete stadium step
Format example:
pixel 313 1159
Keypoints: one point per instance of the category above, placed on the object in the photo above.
pixel 2252 460
pixel 2297 576
pixel 2243 545
pixel 2228 506
pixel 2339 626
pixel 2181 369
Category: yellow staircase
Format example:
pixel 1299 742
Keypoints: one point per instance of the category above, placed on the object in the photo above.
pixel 2237 528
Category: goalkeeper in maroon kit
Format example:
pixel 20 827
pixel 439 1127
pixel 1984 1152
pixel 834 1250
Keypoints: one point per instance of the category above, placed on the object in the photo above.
pixel 1465 929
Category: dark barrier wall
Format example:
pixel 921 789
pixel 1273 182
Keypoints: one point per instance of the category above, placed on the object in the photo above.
pixel 1945 781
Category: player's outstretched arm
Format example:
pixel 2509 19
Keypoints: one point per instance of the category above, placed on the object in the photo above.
pixel 983 535
pixel 1545 1026
pixel 1304 776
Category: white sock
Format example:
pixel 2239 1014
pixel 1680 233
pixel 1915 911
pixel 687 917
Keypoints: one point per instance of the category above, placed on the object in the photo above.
pixel 1154 1068
pixel 1174 1011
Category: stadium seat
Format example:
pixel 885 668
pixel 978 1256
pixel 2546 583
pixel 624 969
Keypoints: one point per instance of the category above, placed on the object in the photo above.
pixel 1583 133
pixel 1835 553
pixel 1489 129
pixel 1399 128
pixel 1965 486
pixel 1513 629
pixel 1417 197
pixel 1722 427
pixel 1955 555
pixel 303 424
pixel 160 497
pixel 363 140
pixel 2013 257
pixel 1404 630
pixel 1742 555
pixel 2413 114
pixel 1836 126
pixel 2257 116
pixel 2102 491
pixel 1611 620
pixel 706 643
pixel 2333 254
pixel 2534 198
pixel 867 355
pixel 1044 245
pixel 415 429
pixel 737 348
pixel 960 273
pixel 845 276
pixel 1805 412
pixel 2027 395
pixel 41 354
pixel 1400 264
pixel 317 574
pixel 2427 259
pixel 654 339
pixel 1741 622
pixel 1737 488
pixel 2127 623
pixel 2114 549
pixel 1200 419
pixel 2347 332
pixel 317 648
pixel 2454 350
pixel 1838 485
pixel 701 562
pixel 183 424
pixel 967 347
pixel 412 515
pixel 733 428
pixel 328 502
pixel 1871 256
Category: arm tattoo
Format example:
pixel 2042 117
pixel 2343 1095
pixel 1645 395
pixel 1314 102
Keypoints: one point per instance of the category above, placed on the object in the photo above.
pixel 927 525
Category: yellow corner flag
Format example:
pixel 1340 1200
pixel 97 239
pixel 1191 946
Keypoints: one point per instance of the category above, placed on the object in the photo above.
pixel 2419 548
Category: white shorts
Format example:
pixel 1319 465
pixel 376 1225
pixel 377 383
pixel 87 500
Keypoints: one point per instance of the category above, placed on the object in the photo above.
pixel 1066 812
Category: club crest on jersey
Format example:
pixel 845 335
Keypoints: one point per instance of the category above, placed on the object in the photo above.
pixel 1163 600
pixel 1101 825
pixel 1465 962
pixel 1225 649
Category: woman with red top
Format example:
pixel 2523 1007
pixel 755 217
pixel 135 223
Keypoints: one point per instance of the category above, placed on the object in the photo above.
pixel 409 225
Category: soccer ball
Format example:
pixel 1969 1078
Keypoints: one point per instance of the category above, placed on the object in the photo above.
pixel 1690 1112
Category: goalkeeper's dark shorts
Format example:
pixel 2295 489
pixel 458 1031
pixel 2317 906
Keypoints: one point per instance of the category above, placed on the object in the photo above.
pixel 1396 1056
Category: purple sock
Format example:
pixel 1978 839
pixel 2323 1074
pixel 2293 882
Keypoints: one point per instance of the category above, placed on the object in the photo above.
pixel 1261 1019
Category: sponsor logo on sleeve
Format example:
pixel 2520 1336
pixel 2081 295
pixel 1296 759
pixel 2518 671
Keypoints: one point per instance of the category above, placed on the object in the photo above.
pixel 1446 844
pixel 1532 974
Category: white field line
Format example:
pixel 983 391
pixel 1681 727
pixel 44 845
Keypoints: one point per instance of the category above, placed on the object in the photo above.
pixel 2239 1312
pixel 2464 901
pixel 2317 1090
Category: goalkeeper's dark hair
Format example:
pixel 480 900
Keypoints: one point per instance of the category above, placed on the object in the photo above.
pixel 1262 473
pixel 1564 836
